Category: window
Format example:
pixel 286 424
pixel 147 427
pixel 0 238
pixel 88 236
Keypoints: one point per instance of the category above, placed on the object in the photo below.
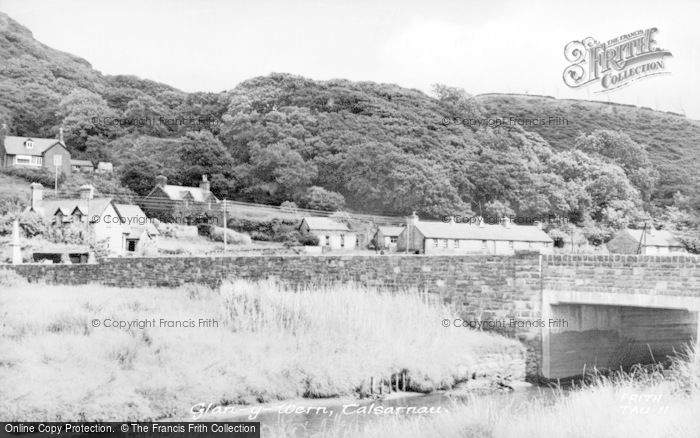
pixel 456 243
pixel 510 244
pixel 529 244
pixel 393 239
pixel 435 243
pixel 444 243
pixel 29 144
pixel 28 160
pixel 131 245
pixel 483 244
pixel 328 240
pixel 342 240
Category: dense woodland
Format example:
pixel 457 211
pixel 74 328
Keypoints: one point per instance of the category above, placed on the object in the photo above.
pixel 363 146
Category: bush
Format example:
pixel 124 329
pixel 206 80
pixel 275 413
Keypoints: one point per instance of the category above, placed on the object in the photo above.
pixel 309 240
pixel 40 175
pixel 232 237
pixel 12 203
pixel 30 225
pixel 318 198
pixel 274 230
pixel 257 235
pixel 289 207
pixel 288 237
pixel 204 229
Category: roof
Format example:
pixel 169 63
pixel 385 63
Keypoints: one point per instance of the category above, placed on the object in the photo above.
pixel 136 219
pixel 81 163
pixel 16 145
pixel 96 206
pixel 179 193
pixel 324 224
pixel 391 231
pixel 654 237
pixel 463 231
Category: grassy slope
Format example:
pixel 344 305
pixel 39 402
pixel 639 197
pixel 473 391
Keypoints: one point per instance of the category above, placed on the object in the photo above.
pixel 673 141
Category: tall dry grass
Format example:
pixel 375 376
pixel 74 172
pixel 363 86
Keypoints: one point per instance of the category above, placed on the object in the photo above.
pixel 270 344
pixel 644 403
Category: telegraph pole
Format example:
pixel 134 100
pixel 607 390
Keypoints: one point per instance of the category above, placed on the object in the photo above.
pixel 225 230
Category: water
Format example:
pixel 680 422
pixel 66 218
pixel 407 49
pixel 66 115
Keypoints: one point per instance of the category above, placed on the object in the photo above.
pixel 305 417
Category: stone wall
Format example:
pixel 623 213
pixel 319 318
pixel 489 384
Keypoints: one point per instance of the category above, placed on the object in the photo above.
pixel 479 286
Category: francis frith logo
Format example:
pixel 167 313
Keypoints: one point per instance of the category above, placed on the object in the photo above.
pixel 616 62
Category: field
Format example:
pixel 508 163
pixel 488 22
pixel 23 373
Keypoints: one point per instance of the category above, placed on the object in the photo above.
pixel 269 345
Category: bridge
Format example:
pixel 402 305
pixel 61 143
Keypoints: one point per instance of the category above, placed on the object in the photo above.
pixel 605 311
pixel 619 310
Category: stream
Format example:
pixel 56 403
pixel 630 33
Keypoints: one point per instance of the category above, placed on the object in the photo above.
pixel 310 416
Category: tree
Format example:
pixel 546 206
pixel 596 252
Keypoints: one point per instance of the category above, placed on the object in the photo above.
pixel 623 151
pixel 277 172
pixel 84 115
pixel 203 154
pixel 139 175
pixel 381 178
pixel 318 198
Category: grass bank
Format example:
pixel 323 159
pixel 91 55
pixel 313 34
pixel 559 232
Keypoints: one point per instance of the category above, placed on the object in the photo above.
pixel 269 344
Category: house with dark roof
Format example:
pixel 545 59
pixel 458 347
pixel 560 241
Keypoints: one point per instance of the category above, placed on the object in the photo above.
pixel 331 234
pixel 649 241
pixel 441 238
pixel 33 152
pixel 201 194
pixel 120 228
pixel 387 237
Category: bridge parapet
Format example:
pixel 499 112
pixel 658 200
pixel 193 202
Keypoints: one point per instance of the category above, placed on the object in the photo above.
pixel 619 273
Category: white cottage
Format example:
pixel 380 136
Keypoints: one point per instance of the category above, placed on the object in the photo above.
pixel 119 229
pixel 331 234
pixel 442 238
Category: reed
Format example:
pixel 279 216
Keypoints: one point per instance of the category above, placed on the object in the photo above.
pixel 270 344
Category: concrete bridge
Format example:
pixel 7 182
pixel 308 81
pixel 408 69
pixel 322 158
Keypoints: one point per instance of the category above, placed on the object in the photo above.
pixel 607 311
pixel 619 311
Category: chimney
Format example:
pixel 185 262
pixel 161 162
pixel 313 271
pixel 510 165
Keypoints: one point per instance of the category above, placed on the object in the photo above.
pixel 538 224
pixel 37 195
pixel 481 221
pixel 452 220
pixel 413 219
pixel 161 181
pixel 3 130
pixel 87 191
pixel 204 184
pixel 60 134
pixel 505 222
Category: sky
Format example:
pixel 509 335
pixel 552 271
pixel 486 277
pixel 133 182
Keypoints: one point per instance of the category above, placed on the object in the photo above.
pixel 480 46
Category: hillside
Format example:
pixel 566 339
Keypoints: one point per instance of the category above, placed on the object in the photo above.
pixel 672 140
pixel 361 146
